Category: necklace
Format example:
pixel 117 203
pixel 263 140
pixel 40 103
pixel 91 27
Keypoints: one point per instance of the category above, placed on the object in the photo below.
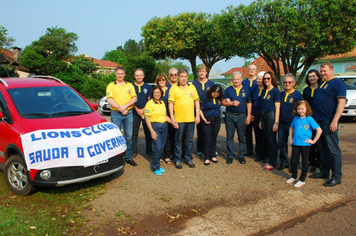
pixel 301 122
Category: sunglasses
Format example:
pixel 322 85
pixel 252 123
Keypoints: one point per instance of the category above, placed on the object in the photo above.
pixel 173 74
pixel 162 80
pixel 267 78
pixel 287 82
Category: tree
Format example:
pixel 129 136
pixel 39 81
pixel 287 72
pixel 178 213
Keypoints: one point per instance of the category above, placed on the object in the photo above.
pixel 294 32
pixel 5 40
pixel 163 66
pixel 116 56
pixel 51 53
pixel 85 64
pixel 186 36
pixel 131 48
pixel 7 71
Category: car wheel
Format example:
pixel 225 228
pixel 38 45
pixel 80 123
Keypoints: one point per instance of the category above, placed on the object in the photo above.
pixel 16 176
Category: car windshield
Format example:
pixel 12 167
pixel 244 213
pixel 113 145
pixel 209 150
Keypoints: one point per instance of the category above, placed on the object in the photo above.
pixel 46 102
pixel 350 83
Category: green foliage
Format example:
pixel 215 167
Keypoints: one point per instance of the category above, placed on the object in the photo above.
pixel 293 31
pixel 131 48
pixel 50 54
pixel 5 40
pixel 7 71
pixel 73 76
pixel 147 63
pixel 163 66
pixel 94 88
pixel 116 56
pixel 185 36
pixel 85 64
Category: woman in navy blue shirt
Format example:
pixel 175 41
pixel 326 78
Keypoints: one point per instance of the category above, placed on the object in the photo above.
pixel 270 117
pixel 313 80
pixel 210 115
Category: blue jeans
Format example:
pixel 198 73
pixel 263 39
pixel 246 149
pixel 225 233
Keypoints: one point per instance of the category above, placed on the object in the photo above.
pixel 231 123
pixel 127 121
pixel 161 130
pixel 210 132
pixel 283 133
pixel 330 153
pixel 267 121
pixel 186 130
pixel 136 128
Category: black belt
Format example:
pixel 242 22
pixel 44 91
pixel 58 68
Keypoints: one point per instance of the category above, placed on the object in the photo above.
pixel 235 114
pixel 212 118
pixel 266 112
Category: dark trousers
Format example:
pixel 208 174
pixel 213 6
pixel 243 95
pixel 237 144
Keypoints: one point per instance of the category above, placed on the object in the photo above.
pixel 200 137
pixel 267 121
pixel 261 147
pixel 296 152
pixel 169 146
pixel 283 133
pixel 248 135
pixel 314 157
pixel 330 153
pixel 210 132
pixel 136 127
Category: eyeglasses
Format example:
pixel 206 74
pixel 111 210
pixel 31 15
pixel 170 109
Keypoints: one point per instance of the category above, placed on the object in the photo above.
pixel 267 78
pixel 158 92
pixel 173 74
pixel 161 80
pixel 287 82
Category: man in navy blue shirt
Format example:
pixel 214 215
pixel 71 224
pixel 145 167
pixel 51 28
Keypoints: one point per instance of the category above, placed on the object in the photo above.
pixel 238 114
pixel 328 104
pixel 251 83
pixel 143 92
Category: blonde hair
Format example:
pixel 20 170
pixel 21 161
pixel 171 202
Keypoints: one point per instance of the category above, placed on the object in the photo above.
pixel 301 102
pixel 202 67
pixel 160 76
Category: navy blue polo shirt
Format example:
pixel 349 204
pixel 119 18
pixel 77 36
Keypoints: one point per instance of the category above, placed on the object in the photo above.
pixel 326 97
pixel 269 98
pixel 203 87
pixel 210 108
pixel 242 95
pixel 165 96
pixel 143 92
pixel 287 105
pixel 251 84
pixel 256 97
pixel 308 94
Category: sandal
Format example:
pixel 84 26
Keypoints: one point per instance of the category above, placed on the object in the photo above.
pixel 168 161
pixel 214 160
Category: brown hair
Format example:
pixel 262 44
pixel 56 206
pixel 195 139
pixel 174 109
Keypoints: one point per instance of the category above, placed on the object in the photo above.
pixel 327 63
pixel 297 104
pixel 273 79
pixel 160 76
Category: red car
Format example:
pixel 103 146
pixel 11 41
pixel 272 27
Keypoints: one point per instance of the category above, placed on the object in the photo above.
pixel 51 136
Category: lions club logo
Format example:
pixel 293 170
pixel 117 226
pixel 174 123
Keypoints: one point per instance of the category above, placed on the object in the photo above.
pixel 129 91
pixel 291 100
pixel 191 94
pixel 145 91
pixel 326 85
pixel 243 95
pixel 268 97
pixel 306 126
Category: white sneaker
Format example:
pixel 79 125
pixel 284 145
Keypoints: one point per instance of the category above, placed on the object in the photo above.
pixel 299 184
pixel 290 181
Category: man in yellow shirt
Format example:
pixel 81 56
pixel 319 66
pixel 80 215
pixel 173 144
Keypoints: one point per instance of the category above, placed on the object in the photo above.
pixel 121 96
pixel 182 99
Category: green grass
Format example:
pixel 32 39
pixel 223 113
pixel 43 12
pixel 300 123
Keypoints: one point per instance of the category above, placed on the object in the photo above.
pixel 50 211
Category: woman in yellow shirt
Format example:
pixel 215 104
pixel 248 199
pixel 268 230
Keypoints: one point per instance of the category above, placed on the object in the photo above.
pixel 156 120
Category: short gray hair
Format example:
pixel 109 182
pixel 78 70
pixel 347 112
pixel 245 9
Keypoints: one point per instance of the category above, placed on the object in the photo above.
pixel 289 75
pixel 170 70
pixel 251 65
pixel 236 73
pixel 261 73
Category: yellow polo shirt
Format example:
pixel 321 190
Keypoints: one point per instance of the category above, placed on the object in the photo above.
pixel 157 112
pixel 121 94
pixel 183 102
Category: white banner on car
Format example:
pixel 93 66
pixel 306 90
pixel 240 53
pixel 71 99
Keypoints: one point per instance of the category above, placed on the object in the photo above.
pixel 87 146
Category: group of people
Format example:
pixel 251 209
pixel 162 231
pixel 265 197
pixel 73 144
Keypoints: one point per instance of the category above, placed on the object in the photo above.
pixel 171 109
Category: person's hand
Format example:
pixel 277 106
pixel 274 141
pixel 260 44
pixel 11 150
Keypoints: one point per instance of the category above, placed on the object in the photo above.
pixel 154 135
pixel 252 118
pixel 140 112
pixel 206 121
pixel 235 103
pixel 122 109
pixel 125 112
pixel 290 141
pixel 260 125
pixel 333 126
pixel 174 123
pixel 248 120
pixel 197 120
pixel 309 141
pixel 275 127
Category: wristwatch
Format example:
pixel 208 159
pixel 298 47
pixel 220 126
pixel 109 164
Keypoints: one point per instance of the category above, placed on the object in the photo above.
pixel 277 121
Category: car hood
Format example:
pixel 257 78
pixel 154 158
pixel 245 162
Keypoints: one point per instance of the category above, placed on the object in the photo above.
pixel 70 122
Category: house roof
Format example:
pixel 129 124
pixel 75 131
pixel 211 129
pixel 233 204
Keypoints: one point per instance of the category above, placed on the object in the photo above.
pixel 104 63
pixel 261 66
pixel 340 56
pixel 9 55
pixel 351 68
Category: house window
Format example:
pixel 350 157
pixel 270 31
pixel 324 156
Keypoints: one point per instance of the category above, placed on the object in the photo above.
pixel 317 67
pixel 346 66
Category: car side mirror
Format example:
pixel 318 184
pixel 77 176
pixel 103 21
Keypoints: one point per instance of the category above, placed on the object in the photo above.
pixel 94 106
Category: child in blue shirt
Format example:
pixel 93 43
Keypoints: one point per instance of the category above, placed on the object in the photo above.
pixel 300 135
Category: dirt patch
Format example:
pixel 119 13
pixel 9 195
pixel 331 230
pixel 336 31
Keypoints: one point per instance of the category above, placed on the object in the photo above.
pixel 138 202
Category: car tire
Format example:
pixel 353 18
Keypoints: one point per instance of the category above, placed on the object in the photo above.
pixel 16 176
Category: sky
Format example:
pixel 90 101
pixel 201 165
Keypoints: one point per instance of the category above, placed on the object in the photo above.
pixel 100 25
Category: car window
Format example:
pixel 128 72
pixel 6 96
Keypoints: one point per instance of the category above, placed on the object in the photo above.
pixel 42 102
pixel 3 108
pixel 350 83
